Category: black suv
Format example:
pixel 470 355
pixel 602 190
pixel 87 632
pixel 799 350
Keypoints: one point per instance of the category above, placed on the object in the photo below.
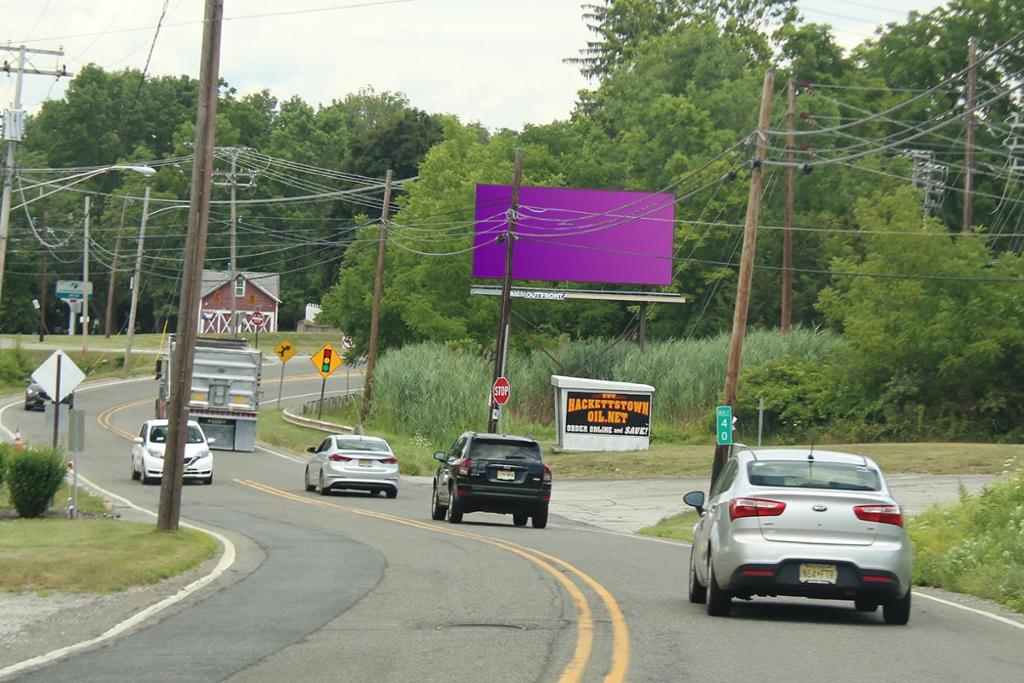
pixel 492 473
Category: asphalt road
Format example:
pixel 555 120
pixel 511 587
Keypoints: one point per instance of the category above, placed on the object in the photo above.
pixel 353 587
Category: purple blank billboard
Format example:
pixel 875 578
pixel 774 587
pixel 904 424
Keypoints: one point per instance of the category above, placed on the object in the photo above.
pixel 576 235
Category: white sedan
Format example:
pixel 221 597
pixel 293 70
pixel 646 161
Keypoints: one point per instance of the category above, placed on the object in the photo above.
pixel 147 454
pixel 353 461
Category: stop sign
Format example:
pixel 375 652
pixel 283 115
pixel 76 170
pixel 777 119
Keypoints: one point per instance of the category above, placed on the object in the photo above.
pixel 256 317
pixel 501 391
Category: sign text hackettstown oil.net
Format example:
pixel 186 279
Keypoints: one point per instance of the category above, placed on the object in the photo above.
pixel 604 413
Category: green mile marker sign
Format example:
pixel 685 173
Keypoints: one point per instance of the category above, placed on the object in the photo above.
pixel 723 425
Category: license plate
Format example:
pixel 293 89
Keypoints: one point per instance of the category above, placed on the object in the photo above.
pixel 364 462
pixel 506 475
pixel 818 573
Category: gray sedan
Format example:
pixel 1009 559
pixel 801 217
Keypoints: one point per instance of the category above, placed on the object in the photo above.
pixel 811 523
pixel 352 461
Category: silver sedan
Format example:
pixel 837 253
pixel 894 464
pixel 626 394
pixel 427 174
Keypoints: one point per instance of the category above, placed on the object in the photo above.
pixel 352 461
pixel 811 523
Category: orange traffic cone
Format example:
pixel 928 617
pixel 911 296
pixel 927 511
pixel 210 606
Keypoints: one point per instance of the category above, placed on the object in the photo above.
pixel 18 444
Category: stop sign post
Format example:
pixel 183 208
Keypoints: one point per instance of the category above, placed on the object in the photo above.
pixel 501 391
pixel 257 318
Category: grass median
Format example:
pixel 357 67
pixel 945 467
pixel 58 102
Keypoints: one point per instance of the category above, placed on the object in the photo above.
pixel 94 556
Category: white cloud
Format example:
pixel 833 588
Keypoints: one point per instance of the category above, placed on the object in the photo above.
pixel 498 62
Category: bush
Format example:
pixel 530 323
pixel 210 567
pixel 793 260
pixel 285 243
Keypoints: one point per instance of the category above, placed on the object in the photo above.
pixel 975 546
pixel 34 475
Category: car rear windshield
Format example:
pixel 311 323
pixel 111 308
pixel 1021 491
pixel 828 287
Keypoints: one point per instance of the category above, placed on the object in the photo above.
pixel 375 445
pixel 813 474
pixel 159 435
pixel 488 449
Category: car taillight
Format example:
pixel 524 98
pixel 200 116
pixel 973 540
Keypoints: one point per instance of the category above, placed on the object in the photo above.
pixel 463 466
pixel 339 458
pixel 389 461
pixel 547 474
pixel 755 507
pixel 882 514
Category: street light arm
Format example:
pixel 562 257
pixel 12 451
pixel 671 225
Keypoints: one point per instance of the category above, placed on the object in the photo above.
pixel 146 171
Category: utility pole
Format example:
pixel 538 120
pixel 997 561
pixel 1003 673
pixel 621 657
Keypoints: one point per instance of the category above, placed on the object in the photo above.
pixel 85 280
pixel 195 250
pixel 787 236
pixel 14 120
pixel 136 283
pixel 972 79
pixel 42 292
pixel 739 320
pixel 501 345
pixel 378 288
pixel 232 182
pixel 108 323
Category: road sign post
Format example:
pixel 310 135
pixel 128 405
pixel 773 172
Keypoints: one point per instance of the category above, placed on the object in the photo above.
pixel 257 318
pixel 326 361
pixel 501 391
pixel 49 376
pixel 723 425
pixel 285 350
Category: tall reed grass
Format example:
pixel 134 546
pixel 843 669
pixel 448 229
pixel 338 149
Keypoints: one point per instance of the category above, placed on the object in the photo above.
pixel 436 391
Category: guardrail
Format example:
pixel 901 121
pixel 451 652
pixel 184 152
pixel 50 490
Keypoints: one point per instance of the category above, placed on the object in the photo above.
pixel 313 407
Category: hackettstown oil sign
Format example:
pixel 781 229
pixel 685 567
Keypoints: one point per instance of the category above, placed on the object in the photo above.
pixel 599 415
pixel 608 413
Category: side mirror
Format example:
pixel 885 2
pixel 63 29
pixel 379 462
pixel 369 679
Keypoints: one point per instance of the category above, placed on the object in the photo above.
pixel 210 441
pixel 311 449
pixel 440 456
pixel 695 499
pixel 137 440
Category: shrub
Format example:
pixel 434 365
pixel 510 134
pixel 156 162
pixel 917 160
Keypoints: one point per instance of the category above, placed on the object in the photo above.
pixel 34 475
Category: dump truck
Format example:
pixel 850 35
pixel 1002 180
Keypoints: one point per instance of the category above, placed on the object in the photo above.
pixel 225 394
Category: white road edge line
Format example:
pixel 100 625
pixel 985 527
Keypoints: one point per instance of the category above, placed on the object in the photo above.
pixel 980 612
pixel 280 455
pixel 226 560
pixel 225 563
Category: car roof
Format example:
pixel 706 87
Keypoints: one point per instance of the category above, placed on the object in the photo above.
pixel 358 437
pixel 767 454
pixel 163 423
pixel 501 437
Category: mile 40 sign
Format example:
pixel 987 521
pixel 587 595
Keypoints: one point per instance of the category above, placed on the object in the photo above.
pixel 723 425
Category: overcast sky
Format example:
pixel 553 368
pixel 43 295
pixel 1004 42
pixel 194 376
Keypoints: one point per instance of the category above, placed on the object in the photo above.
pixel 497 62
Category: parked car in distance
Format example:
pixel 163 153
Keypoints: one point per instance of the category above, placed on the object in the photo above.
pixel 147 456
pixel 797 522
pixel 492 473
pixel 353 461
pixel 36 398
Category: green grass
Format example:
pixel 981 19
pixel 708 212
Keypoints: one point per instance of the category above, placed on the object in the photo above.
pixel 976 545
pixel 677 527
pixel 415 455
pixel 94 556
pixel 18 364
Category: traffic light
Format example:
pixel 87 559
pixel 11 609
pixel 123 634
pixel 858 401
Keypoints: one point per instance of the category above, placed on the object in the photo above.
pixel 326 367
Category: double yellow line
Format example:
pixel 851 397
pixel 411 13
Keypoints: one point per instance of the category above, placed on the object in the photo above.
pixel 573 672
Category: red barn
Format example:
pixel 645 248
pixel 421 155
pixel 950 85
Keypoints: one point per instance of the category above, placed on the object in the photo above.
pixel 252 292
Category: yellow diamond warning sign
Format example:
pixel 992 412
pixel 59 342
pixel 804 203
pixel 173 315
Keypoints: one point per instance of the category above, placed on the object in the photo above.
pixel 326 360
pixel 285 350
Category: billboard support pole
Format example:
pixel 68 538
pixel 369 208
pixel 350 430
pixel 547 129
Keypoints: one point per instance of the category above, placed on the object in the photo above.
pixel 501 344
pixel 739 320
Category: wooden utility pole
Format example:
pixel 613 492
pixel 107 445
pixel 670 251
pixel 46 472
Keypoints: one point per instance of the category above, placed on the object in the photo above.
pixel 85 279
pixel 501 345
pixel 739 320
pixel 787 236
pixel 12 134
pixel 109 322
pixel 641 330
pixel 191 282
pixel 42 292
pixel 972 79
pixel 378 290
